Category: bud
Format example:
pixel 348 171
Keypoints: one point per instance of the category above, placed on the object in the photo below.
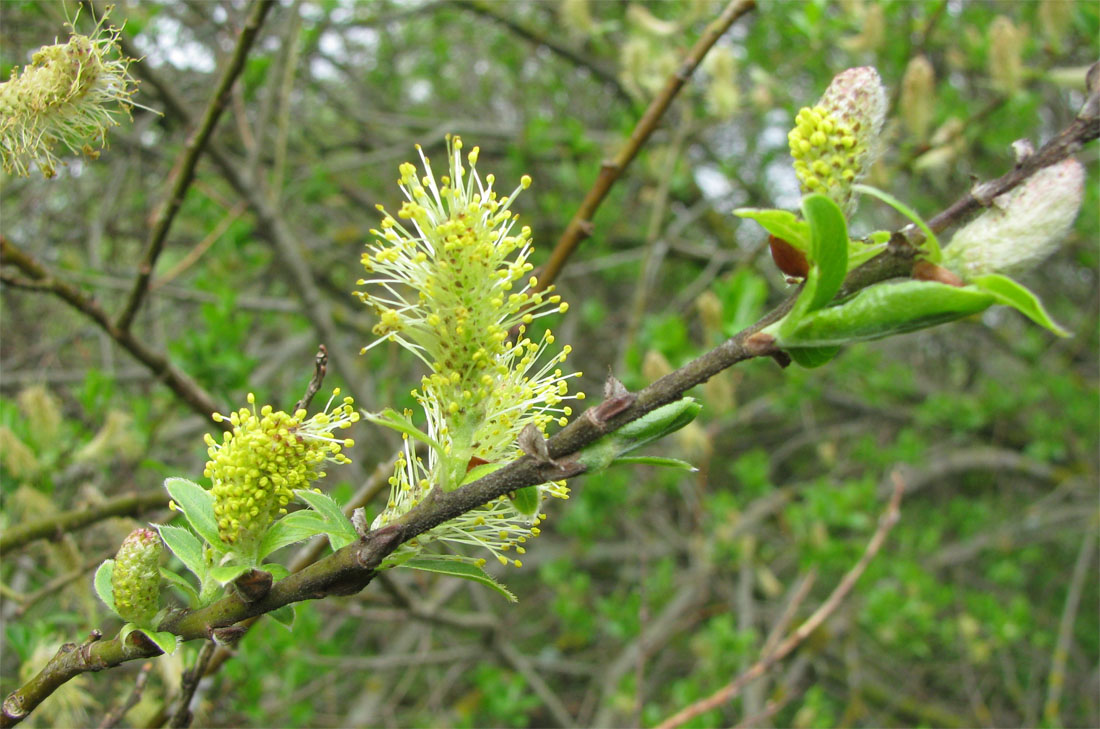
pixel 1005 62
pixel 136 578
pixel 266 456
pixel 835 142
pixel 916 104
pixel 63 98
pixel 1022 227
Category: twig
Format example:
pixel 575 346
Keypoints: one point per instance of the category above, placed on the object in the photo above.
pixel 69 521
pixel 189 684
pixel 580 227
pixel 840 592
pixel 603 74
pixel 320 363
pixel 115 715
pixel 350 569
pixel 26 602
pixel 189 159
pixel 177 381
pixel 1057 678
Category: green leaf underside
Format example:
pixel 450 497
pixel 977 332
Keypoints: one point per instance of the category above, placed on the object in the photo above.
pixel 931 245
pixel 829 240
pixel 284 616
pixel 197 505
pixel 459 569
pixel 780 223
pixel 185 546
pixel 1009 293
pixel 103 586
pixel 166 641
pixel 181 584
pixel 526 500
pixel 226 574
pixel 478 472
pixel 811 357
pixel 653 461
pixel 340 530
pixel 883 310
pixel 395 420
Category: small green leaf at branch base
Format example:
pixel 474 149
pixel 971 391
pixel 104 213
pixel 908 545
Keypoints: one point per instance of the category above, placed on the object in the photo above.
pixel 103 586
pixel 782 224
pixel 459 569
pixel 284 616
pixel 931 246
pixel 395 420
pixel 811 357
pixel 197 505
pixel 180 583
pixel 829 240
pixel 340 531
pixel 226 574
pixel 167 642
pixel 526 500
pixel 1008 292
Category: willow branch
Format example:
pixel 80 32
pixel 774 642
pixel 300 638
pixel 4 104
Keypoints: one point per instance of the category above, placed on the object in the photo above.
pixel 352 568
pixel 174 378
pixel 189 159
pixel 580 227
pixel 70 521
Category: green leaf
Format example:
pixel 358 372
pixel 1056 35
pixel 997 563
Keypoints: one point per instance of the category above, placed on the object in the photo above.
pixel 478 472
pixel 931 244
pixel 276 570
pixel 340 530
pixel 180 583
pixel 653 461
pixel 658 423
pixel 292 528
pixel 167 642
pixel 284 616
pixel 103 586
pixel 811 357
pixel 829 246
pixel 882 311
pixel 197 505
pixel 184 545
pixel 466 571
pixel 227 573
pixel 526 500
pixel 395 420
pixel 780 223
pixel 1008 292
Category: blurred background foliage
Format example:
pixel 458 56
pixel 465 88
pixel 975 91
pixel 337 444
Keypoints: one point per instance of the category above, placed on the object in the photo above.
pixel 648 589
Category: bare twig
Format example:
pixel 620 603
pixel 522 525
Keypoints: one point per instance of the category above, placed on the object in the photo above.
pixel 70 521
pixel 580 227
pixel 319 366
pixel 177 381
pixel 188 160
pixel 1057 678
pixel 189 684
pixel 115 715
pixel 840 592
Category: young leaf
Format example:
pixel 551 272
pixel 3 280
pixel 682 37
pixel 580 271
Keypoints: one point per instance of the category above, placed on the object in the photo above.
pixel 829 238
pixel 284 616
pixel 276 570
pixel 780 223
pixel 653 461
pixel 197 505
pixel 881 311
pixel 181 584
pixel 811 357
pixel 340 530
pixel 1008 292
pixel 395 420
pixel 167 642
pixel 292 528
pixel 931 246
pixel 481 471
pixel 185 546
pixel 526 500
pixel 227 573
pixel 102 582
pixel 458 569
